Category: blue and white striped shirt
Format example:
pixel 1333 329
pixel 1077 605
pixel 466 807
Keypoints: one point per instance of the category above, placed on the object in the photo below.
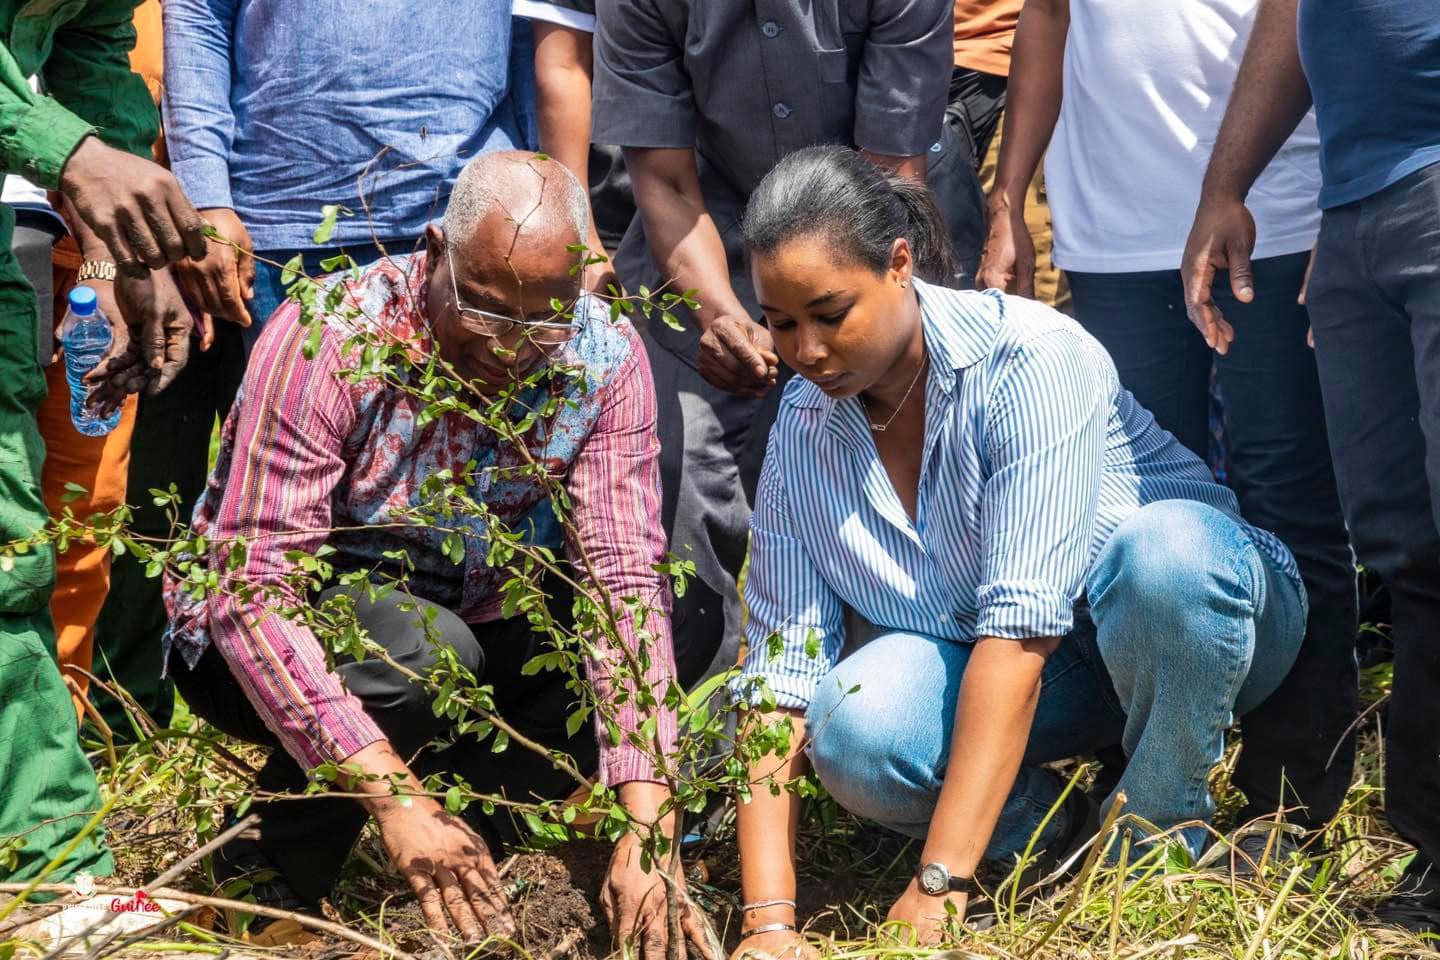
pixel 1033 454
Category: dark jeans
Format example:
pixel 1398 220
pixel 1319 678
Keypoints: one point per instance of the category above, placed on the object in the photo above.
pixel 976 103
pixel 1375 301
pixel 309 840
pixel 1281 472
pixel 171 444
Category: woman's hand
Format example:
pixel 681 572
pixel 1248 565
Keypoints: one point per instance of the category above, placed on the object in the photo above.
pixel 927 915
pixel 778 944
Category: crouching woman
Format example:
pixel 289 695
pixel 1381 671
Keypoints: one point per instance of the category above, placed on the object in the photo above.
pixel 1049 571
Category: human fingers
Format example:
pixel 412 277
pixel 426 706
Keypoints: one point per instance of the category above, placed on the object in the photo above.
pixel 1242 275
pixel 457 906
pixel 720 367
pixel 245 265
pixel 187 220
pixel 229 293
pixel 177 325
pixel 145 250
pixel 656 938
pixel 489 902
pixel 432 905
pixel 162 229
pixel 736 339
pixel 205 327
pixel 697 932
pixel 1305 286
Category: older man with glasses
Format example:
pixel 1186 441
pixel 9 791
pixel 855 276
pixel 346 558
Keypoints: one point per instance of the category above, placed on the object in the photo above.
pixel 315 454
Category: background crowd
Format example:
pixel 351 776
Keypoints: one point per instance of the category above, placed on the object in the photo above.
pixel 1245 197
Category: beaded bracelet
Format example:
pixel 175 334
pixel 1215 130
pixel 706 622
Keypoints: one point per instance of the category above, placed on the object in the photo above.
pixel 765 928
pixel 762 904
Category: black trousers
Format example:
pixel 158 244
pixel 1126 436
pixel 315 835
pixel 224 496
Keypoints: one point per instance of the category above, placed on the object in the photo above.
pixel 309 840
pixel 1281 472
pixel 1375 303
pixel 976 102
pixel 171 444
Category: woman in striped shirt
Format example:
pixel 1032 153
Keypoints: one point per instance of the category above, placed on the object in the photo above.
pixel 1048 571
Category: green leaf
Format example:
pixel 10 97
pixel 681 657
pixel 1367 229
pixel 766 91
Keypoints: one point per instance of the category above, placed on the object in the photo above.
pixel 454 801
pixel 73 492
pixel 502 740
pixel 328 215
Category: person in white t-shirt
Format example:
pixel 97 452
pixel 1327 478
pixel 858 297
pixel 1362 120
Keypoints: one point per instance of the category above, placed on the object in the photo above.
pixel 1129 95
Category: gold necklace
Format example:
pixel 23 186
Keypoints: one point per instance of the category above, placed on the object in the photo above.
pixel 882 427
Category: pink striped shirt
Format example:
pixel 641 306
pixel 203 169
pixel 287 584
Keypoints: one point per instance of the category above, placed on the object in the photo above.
pixel 306 452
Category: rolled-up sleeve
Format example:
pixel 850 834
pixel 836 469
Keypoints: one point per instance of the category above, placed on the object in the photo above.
pixel 199 122
pixel 614 488
pixel 643 95
pixel 1044 439
pixel 796 627
pixel 904 76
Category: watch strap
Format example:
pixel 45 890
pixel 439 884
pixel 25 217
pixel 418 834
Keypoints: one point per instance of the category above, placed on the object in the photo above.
pixel 954 884
pixel 96 270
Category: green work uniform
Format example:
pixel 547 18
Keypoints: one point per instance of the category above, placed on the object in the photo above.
pixel 80 51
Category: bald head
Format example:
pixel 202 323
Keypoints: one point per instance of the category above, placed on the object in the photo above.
pixel 496 193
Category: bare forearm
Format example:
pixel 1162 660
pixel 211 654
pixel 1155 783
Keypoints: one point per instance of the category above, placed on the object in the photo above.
pixel 683 237
pixel 998 695
pixel 1270 98
pixel 563 65
pixel 766 828
pixel 1032 99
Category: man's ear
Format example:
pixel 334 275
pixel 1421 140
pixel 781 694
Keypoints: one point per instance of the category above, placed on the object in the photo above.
pixel 434 249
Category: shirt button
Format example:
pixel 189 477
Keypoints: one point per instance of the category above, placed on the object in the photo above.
pixel 936 147
pixel 781 110
pixel 770 28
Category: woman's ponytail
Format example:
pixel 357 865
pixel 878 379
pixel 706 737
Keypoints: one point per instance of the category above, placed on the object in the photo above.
pixel 929 239
pixel 860 210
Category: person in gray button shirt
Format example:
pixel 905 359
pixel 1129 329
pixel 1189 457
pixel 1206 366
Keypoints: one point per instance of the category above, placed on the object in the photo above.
pixel 705 96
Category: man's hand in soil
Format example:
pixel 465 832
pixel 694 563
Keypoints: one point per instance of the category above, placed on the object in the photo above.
pixel 135 206
pixel 448 866
pixel 1222 238
pixel 157 346
pixel 737 354
pixel 633 898
pixel 445 862
pixel 219 284
pixel 634 901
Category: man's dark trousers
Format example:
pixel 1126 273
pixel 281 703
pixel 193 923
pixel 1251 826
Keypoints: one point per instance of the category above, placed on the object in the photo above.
pixel 1297 751
pixel 1375 302
pixel 309 840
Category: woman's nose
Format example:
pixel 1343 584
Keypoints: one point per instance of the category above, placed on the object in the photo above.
pixel 809 348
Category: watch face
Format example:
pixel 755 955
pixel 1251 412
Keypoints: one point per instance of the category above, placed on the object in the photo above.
pixel 934 878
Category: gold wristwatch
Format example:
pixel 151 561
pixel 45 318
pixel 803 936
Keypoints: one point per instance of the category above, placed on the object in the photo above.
pixel 96 270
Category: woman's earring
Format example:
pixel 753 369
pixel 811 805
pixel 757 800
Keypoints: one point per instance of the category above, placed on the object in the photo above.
pixel 904 284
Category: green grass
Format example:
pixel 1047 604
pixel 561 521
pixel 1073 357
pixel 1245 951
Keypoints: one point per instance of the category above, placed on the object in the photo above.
pixel 174 786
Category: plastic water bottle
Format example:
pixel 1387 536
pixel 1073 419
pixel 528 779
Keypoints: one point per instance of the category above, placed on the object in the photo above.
pixel 85 335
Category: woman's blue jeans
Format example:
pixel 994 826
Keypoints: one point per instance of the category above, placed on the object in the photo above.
pixel 1189 627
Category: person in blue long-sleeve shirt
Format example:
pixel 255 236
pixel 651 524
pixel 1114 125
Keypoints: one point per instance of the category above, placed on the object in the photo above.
pixel 276 108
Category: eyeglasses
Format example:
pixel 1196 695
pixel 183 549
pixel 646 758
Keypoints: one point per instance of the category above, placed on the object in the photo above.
pixel 555 330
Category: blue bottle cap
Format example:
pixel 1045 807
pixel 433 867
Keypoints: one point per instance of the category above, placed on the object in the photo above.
pixel 82 301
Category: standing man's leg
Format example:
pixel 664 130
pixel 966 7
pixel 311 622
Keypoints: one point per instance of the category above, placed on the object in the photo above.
pixel 47 789
pixel 1299 747
pixel 1139 318
pixel 1375 304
